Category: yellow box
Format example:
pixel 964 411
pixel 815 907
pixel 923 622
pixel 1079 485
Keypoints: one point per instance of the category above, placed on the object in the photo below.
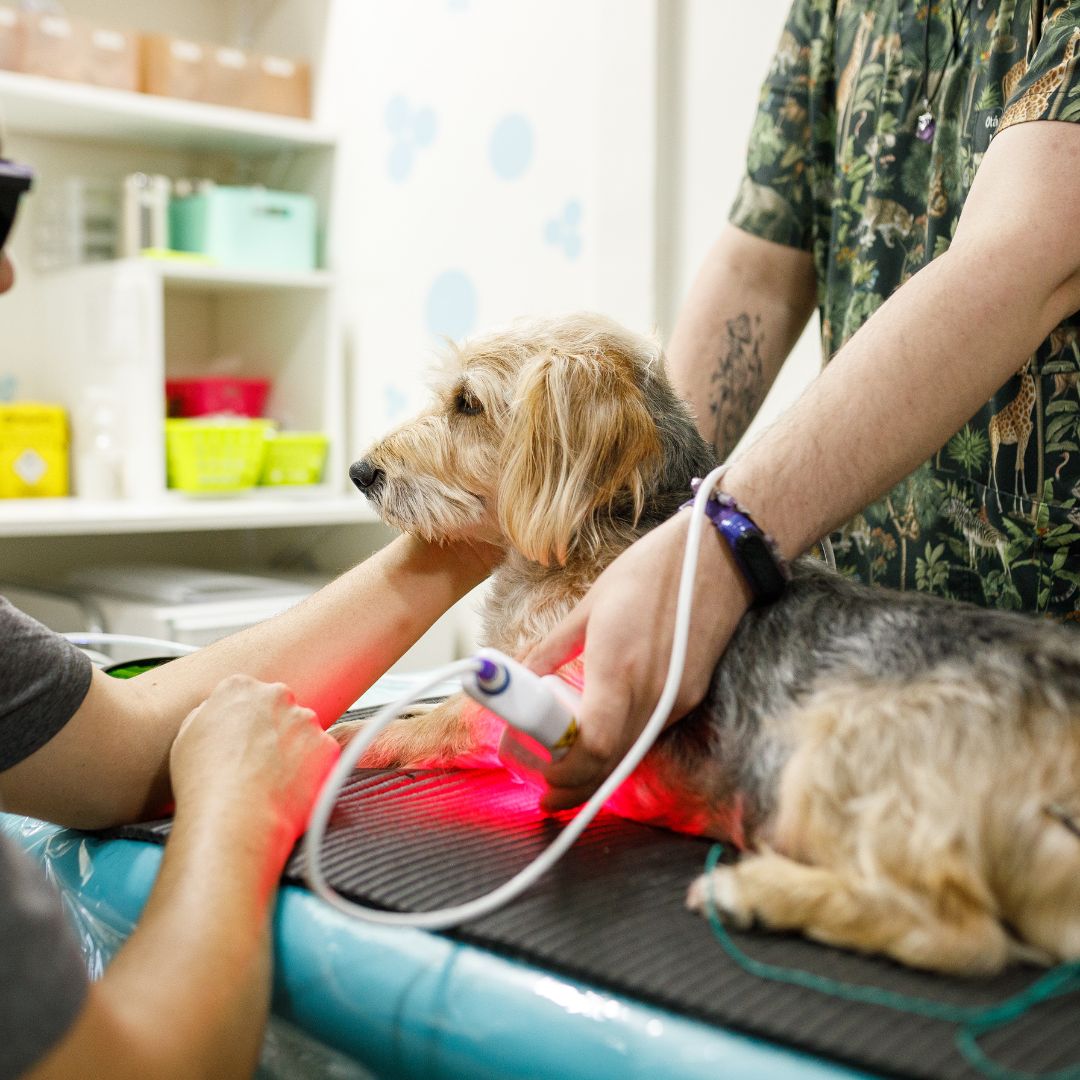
pixel 33 451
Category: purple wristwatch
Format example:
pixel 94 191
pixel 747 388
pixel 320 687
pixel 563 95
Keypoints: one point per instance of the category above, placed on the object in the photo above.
pixel 756 553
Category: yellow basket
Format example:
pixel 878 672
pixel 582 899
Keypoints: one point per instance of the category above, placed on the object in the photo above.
pixel 215 455
pixel 294 457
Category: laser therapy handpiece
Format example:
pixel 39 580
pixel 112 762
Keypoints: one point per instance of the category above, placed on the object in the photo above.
pixel 541 706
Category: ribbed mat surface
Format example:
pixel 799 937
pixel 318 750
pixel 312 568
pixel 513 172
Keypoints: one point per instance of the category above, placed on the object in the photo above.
pixel 611 913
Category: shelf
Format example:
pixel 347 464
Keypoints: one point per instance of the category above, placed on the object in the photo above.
pixel 181 274
pixel 41 106
pixel 179 513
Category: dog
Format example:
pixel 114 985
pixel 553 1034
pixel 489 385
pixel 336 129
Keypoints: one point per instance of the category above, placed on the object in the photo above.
pixel 900 772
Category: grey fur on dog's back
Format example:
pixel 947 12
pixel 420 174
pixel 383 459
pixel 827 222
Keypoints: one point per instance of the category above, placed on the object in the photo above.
pixel 826 629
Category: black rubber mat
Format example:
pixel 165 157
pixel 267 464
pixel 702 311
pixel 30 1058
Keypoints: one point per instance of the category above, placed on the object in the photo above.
pixel 611 914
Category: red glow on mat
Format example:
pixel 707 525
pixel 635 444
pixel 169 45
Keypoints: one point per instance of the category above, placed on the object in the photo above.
pixel 452 802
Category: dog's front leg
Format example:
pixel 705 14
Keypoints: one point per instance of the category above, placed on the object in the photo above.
pixel 456 732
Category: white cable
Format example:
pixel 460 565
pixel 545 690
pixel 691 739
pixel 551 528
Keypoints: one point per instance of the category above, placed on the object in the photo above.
pixel 93 637
pixel 827 552
pixel 473 909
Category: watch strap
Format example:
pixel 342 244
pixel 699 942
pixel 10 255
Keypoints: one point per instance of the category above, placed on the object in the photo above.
pixel 756 553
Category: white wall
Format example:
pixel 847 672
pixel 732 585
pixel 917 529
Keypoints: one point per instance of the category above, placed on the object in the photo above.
pixel 498 161
pixel 504 158
pixel 715 54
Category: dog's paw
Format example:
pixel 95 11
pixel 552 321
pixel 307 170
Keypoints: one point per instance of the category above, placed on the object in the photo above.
pixel 384 753
pixel 344 731
pixel 723 886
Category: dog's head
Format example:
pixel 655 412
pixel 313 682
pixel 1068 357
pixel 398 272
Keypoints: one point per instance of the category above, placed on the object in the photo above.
pixel 555 438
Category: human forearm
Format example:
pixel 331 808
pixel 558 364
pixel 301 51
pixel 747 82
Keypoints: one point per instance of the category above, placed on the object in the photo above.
pixel 331 647
pixel 910 378
pixel 109 764
pixel 938 348
pixel 187 996
pixel 745 311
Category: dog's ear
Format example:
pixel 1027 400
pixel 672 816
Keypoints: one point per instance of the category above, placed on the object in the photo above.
pixel 579 439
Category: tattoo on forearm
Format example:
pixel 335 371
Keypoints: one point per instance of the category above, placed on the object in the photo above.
pixel 737 386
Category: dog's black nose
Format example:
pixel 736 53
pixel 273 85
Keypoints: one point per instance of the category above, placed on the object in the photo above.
pixel 365 476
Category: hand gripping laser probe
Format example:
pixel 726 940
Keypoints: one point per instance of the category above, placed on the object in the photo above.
pixel 544 708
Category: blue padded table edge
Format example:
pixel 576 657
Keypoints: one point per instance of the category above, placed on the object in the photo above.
pixel 407 1003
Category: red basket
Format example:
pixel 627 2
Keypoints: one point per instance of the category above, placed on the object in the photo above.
pixel 216 395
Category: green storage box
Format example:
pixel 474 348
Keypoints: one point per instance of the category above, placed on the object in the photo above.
pixel 246 227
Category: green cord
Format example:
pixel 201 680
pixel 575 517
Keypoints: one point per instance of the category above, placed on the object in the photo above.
pixel 974 1020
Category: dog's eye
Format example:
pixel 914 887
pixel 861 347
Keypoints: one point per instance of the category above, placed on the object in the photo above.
pixel 466 404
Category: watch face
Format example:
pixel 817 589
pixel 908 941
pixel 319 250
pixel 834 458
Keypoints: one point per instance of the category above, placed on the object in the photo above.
pixel 761 567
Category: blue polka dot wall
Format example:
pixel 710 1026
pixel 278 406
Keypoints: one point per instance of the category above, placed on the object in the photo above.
pixel 510 149
pixel 410 128
pixel 451 307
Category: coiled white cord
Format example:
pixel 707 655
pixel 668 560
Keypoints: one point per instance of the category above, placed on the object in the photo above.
pixel 473 909
pixel 93 637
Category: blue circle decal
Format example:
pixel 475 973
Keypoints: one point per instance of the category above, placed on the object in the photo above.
pixel 451 305
pixel 511 147
pixel 424 126
pixel 399 164
pixel 397 114
pixel 564 231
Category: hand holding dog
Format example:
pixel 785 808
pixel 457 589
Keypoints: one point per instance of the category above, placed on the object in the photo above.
pixel 624 628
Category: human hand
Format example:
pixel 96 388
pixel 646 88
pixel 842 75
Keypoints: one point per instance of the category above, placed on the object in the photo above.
pixel 251 749
pixel 624 628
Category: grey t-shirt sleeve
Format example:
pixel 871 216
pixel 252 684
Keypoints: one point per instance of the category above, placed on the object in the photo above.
pixel 43 680
pixel 43 980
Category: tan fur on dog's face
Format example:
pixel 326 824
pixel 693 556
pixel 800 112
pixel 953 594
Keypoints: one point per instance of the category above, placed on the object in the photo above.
pixel 536 435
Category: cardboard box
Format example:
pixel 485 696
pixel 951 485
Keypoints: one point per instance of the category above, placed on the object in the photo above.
pixel 52 46
pixel 63 48
pixel 12 44
pixel 280 85
pixel 229 73
pixel 174 67
pixel 111 58
pixel 222 75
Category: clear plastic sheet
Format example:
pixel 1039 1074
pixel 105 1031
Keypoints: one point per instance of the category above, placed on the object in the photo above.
pixel 68 860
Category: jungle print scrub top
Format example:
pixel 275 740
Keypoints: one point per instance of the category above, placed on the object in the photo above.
pixel 835 168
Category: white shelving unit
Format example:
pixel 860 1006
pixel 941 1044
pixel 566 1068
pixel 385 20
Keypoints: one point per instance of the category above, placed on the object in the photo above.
pixel 132 323
pixel 126 326
pixel 85 517
pixel 129 325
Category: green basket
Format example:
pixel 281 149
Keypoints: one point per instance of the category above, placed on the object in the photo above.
pixel 294 457
pixel 215 455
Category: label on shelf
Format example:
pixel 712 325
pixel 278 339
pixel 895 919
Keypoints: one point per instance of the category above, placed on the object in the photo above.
pixel 55 26
pixel 188 51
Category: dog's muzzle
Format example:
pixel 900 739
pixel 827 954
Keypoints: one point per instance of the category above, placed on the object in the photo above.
pixel 366 477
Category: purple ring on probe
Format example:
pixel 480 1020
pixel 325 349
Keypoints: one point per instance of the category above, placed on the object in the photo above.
pixel 487 676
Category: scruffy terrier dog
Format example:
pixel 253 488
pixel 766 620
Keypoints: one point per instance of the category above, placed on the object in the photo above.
pixel 901 773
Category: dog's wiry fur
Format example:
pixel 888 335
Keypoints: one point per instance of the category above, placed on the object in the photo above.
pixel 884 760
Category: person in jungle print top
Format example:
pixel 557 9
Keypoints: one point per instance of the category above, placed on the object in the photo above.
pixel 913 174
pixel 994 515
